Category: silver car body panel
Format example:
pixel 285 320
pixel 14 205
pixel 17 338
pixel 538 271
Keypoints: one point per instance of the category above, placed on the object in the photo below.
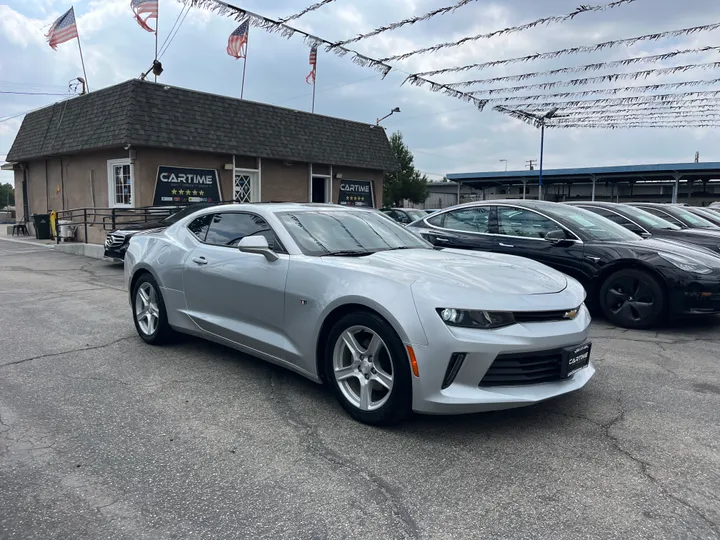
pixel 276 310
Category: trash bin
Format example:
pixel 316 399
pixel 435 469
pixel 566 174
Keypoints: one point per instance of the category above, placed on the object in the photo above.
pixel 42 226
pixel 66 229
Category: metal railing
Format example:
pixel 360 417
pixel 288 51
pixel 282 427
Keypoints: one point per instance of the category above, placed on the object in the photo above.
pixel 110 218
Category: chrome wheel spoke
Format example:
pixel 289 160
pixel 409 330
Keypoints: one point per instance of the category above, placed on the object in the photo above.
pixel 143 296
pixel 147 311
pixel 351 343
pixel 383 379
pixel 374 347
pixel 347 372
pixel 365 395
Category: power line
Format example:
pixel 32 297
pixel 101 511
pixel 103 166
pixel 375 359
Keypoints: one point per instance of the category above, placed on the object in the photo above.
pixel 329 88
pixel 163 51
pixel 32 93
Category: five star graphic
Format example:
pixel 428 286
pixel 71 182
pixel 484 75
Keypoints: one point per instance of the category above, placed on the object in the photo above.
pixel 174 192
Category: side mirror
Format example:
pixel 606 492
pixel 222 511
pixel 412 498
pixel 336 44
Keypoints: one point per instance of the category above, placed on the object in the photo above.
pixel 558 237
pixel 645 234
pixel 258 245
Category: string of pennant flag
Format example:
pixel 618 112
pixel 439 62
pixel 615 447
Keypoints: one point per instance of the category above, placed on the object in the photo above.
pixel 145 12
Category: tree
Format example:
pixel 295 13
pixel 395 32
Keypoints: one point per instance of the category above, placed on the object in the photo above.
pixel 7 195
pixel 407 183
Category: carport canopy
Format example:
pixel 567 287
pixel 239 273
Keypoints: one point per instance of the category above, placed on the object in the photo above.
pixel 659 173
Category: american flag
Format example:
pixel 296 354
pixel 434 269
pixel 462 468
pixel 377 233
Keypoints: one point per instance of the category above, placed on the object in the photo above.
pixel 237 42
pixel 62 30
pixel 310 79
pixel 145 7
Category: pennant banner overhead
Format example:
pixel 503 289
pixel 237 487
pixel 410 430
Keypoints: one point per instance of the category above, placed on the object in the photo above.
pixel 308 9
pixel 237 42
pixel 606 91
pixel 278 27
pixel 411 20
pixel 149 8
pixel 611 78
pixel 583 50
pixel 63 29
pixel 513 29
pixel 601 104
pixel 634 125
pixel 597 67
pixel 622 112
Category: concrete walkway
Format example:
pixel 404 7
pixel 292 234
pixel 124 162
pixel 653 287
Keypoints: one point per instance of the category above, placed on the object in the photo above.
pixel 95 251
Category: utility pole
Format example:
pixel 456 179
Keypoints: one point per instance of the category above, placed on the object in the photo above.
pixel 531 164
pixel 697 157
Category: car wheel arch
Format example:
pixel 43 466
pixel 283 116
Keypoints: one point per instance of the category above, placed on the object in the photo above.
pixel 327 325
pixel 627 265
pixel 138 273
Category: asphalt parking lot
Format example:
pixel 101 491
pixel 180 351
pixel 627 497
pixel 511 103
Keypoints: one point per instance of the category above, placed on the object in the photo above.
pixel 102 436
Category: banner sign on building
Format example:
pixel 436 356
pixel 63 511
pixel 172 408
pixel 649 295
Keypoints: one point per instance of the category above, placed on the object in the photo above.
pixel 356 193
pixel 183 185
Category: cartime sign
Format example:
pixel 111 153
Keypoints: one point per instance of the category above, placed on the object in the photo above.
pixel 183 185
pixel 356 193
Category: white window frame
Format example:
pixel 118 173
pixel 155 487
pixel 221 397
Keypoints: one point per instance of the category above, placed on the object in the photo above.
pixel 255 186
pixel 328 184
pixel 111 164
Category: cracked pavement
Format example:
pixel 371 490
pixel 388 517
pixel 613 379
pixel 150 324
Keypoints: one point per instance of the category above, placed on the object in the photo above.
pixel 102 436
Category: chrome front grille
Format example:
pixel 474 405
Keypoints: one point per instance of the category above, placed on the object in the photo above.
pixel 114 240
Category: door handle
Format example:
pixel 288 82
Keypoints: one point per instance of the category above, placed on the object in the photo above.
pixel 505 245
pixel 199 260
pixel 441 239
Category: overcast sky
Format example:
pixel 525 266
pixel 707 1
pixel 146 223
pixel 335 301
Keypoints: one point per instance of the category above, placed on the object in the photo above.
pixel 445 134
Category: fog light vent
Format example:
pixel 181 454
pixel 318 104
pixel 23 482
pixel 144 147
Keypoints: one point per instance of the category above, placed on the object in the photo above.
pixel 456 362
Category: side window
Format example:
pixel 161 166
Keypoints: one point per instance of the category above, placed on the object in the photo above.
pixel 468 219
pixel 401 217
pixel 438 220
pixel 199 226
pixel 665 216
pixel 617 218
pixel 228 229
pixel 525 223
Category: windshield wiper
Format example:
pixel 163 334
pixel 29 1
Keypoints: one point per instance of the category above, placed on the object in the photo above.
pixel 348 253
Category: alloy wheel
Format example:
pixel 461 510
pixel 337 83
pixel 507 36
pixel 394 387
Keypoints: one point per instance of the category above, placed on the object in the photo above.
pixel 631 298
pixel 147 311
pixel 362 366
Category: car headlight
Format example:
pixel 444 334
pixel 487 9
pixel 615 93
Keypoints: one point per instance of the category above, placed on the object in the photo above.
pixel 476 319
pixel 685 263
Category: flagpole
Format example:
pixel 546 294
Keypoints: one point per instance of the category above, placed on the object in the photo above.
pixel 157 27
pixel 82 61
pixel 314 84
pixel 247 45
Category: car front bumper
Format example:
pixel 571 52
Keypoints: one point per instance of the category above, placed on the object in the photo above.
pixel 117 253
pixel 468 392
pixel 700 296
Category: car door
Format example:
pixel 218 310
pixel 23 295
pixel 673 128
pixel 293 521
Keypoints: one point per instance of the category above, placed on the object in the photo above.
pixel 238 296
pixel 464 228
pixel 522 232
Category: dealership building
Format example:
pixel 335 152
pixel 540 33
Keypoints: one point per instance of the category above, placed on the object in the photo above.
pixel 141 144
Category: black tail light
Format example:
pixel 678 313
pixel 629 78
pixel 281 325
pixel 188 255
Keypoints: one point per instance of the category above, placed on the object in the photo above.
pixel 454 365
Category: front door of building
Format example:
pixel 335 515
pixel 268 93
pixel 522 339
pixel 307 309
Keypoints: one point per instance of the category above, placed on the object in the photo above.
pixel 246 186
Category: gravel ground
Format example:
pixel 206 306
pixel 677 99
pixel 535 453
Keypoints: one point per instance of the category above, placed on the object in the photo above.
pixel 102 436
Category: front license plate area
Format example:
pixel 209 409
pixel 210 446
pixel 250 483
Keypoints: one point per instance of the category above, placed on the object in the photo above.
pixel 574 359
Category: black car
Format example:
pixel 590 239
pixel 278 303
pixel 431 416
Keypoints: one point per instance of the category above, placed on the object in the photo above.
pixel 679 215
pixel 711 215
pixel 635 281
pixel 645 224
pixel 116 242
pixel 404 215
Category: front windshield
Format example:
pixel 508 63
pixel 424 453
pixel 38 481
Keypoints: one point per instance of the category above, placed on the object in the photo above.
pixel 693 219
pixel 331 232
pixel 648 219
pixel 592 227
pixel 177 216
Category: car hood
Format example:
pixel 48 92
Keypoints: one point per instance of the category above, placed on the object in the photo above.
pixel 488 272
pixel 656 245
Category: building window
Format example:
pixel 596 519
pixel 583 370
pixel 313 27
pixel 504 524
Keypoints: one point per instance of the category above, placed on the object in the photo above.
pixel 120 183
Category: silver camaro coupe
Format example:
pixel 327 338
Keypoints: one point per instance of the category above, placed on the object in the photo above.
pixel 349 298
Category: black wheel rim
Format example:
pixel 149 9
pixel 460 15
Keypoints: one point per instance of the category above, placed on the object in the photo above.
pixel 631 299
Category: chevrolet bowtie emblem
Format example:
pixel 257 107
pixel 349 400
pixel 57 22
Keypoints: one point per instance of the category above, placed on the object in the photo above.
pixel 570 314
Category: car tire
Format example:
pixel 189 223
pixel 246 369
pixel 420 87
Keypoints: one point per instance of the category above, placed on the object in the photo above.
pixel 360 377
pixel 149 312
pixel 632 298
